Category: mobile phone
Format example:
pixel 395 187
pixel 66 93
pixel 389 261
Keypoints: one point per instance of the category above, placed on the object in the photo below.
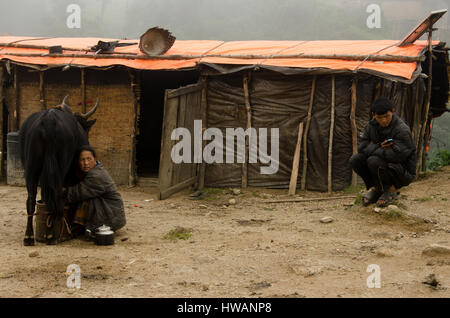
pixel 389 140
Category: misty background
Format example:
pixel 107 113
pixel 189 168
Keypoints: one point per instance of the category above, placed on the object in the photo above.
pixel 231 20
pixel 226 20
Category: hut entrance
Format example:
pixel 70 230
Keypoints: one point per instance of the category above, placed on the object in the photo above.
pixel 148 139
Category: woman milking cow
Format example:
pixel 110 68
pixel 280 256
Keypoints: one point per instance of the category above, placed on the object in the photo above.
pixel 95 198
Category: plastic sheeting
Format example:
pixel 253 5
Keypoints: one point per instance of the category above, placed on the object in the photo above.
pixel 282 102
pixel 266 48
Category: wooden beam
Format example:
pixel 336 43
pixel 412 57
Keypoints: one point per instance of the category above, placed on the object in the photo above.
pixel 427 107
pixel 311 199
pixel 330 143
pixel 41 89
pixel 135 93
pixel 354 127
pixel 16 117
pixel 168 192
pixel 350 57
pixel 249 124
pixel 305 136
pixel 203 110
pixel 295 161
pixel 83 90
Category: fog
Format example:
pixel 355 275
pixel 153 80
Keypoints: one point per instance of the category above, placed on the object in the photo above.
pixel 223 19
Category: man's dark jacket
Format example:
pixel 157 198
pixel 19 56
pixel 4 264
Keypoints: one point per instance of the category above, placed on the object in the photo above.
pixel 400 156
pixel 105 202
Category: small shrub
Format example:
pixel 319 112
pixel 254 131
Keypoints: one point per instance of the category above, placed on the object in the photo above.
pixel 179 233
pixel 441 159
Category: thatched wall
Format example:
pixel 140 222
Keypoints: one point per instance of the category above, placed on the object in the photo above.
pixel 111 134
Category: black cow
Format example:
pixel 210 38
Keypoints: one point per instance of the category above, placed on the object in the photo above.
pixel 48 141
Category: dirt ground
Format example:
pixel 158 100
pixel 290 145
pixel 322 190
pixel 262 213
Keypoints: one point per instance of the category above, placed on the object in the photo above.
pixel 248 249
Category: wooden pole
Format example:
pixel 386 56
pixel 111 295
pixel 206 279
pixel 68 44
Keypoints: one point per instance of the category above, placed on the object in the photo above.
pixel 427 107
pixel 204 109
pixel 350 57
pixel 16 119
pixel 135 92
pixel 402 107
pixel 415 115
pixel 311 199
pixel 354 127
pixel 249 124
pixel 83 90
pixel 330 143
pixel 305 137
pixel 295 161
pixel 41 90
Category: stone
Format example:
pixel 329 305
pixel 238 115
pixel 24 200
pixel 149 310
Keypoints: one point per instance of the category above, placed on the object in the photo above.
pixel 202 206
pixel 327 219
pixel 377 210
pixel 394 208
pixel 436 250
pixel 236 191
pixel 383 252
pixel 33 254
pixel 232 201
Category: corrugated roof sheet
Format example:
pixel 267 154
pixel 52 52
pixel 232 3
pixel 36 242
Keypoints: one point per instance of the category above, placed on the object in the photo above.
pixel 208 48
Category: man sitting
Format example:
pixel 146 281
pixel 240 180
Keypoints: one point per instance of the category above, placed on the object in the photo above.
pixel 386 158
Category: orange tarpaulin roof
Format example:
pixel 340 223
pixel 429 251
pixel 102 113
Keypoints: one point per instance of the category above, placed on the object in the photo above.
pixel 260 48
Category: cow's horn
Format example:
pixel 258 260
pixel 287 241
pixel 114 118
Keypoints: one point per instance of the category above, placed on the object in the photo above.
pixel 64 100
pixel 92 111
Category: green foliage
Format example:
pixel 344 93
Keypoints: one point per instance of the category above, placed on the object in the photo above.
pixel 358 199
pixel 441 159
pixel 179 233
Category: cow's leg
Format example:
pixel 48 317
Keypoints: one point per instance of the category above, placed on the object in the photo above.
pixel 50 235
pixel 31 205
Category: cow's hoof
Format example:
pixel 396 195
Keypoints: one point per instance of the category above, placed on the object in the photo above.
pixel 28 241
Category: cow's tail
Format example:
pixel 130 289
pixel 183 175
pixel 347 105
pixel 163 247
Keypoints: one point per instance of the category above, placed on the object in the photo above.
pixel 51 177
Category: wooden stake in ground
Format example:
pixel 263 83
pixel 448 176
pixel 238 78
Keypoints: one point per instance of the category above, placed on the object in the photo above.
pixel 295 162
pixel 427 107
pixel 305 137
pixel 330 143
pixel 249 124
pixel 354 127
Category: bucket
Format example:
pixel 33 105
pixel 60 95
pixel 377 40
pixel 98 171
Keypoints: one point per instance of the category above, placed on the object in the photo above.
pixel 60 225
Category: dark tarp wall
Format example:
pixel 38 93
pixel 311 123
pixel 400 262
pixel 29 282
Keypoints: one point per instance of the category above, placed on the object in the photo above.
pixel 280 101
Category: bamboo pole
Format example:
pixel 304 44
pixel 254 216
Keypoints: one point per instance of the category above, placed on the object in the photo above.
pixel 83 90
pixel 249 124
pixel 295 161
pixel 354 128
pixel 41 90
pixel 427 107
pixel 305 136
pixel 330 143
pixel 204 109
pixel 350 57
